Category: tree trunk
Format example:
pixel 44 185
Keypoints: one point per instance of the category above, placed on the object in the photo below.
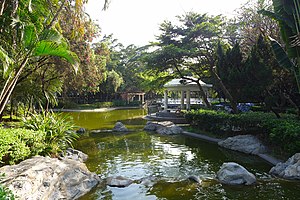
pixel 203 95
pixel 232 101
pixel 10 85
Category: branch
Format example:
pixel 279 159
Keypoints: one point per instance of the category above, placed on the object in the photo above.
pixel 56 15
pixel 2 7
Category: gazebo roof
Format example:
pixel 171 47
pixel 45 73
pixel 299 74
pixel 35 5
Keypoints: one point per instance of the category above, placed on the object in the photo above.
pixel 184 84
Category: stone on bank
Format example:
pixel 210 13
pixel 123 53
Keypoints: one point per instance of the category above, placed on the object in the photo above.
pixel 49 178
pixel 163 128
pixel 234 174
pixel 288 170
pixel 244 143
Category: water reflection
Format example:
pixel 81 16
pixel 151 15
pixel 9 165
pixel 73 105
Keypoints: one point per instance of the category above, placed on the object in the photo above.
pixel 107 120
pixel 171 160
pixel 165 162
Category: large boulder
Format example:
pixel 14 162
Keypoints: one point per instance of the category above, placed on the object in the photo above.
pixel 234 174
pixel 244 143
pixel 49 178
pixel 288 170
pixel 118 181
pixel 164 128
pixel 120 127
pixel 74 155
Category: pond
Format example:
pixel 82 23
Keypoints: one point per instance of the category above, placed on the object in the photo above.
pixel 166 162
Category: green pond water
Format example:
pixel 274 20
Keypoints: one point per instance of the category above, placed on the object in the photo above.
pixel 166 162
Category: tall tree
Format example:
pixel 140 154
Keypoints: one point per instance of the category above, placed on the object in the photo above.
pixel 27 35
pixel 247 79
pixel 250 24
pixel 188 48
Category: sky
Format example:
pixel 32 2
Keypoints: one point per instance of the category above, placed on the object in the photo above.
pixel 137 21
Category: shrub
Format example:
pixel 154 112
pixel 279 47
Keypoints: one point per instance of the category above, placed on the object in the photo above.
pixel 19 144
pixel 209 120
pixel 58 129
pixel 67 104
pixel 134 103
pixel 283 132
pixel 106 104
pixel 119 103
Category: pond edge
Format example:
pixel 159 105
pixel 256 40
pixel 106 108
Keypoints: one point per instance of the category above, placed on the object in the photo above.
pixel 270 159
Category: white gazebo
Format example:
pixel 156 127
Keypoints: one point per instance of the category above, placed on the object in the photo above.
pixel 185 87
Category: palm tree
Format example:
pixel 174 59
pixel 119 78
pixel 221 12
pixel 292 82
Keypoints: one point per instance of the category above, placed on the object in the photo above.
pixel 26 39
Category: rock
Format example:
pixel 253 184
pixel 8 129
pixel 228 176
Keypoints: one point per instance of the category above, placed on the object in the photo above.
pixel 81 131
pixel 195 179
pixel 150 126
pixel 118 181
pixel 234 174
pixel 149 181
pixel 244 143
pixel 49 178
pixel 120 127
pixel 288 170
pixel 75 155
pixel 164 128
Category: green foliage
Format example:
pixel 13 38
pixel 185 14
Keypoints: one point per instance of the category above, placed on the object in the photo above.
pixel 57 127
pixel 119 103
pixel 134 103
pixel 246 80
pixel 283 132
pixel 67 104
pixel 49 48
pixel 19 144
pixel 287 14
pixel 6 193
pixel 104 104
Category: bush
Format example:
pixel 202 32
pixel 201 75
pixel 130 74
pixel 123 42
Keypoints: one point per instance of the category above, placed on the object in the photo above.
pixel 283 132
pixel 67 104
pixel 58 129
pixel 19 144
pixel 106 104
pixel 134 103
pixel 119 103
pixel 209 120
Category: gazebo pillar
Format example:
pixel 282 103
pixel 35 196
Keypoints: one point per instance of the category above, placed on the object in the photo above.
pixel 143 98
pixel 182 100
pixel 166 100
pixel 188 99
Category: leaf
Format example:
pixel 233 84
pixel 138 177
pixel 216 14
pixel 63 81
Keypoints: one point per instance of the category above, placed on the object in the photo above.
pixel 281 56
pixel 29 35
pixel 48 48
pixel 51 35
pixel 277 17
pixel 6 61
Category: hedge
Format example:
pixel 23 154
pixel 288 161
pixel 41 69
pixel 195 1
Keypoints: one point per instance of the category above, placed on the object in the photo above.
pixel 283 132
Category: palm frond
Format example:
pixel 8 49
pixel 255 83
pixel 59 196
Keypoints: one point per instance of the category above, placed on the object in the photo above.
pixel 48 48
pixel 5 60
